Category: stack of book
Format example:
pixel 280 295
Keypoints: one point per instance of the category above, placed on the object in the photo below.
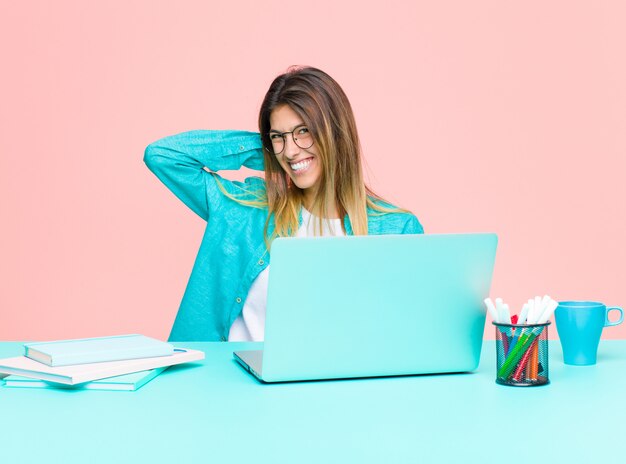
pixel 124 362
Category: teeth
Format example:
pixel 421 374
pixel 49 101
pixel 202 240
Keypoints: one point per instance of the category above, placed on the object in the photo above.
pixel 300 165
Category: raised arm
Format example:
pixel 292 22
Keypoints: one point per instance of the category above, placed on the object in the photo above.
pixel 179 162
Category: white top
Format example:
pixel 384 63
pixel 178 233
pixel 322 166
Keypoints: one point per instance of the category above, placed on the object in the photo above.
pixel 250 325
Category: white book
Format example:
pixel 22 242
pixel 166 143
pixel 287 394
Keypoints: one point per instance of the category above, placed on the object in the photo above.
pixel 76 374
pixel 126 382
pixel 99 349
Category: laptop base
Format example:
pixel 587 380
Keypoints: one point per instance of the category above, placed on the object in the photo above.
pixel 252 361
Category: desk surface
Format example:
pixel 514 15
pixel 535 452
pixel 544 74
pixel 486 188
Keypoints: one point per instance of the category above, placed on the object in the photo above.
pixel 215 411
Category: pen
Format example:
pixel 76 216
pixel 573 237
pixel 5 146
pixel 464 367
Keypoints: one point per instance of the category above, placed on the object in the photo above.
pixel 505 342
pixel 515 332
pixel 534 363
pixel 547 314
pixel 523 314
pixel 491 309
pixel 542 305
pixel 512 359
pixel 500 309
pixel 530 318
pixel 517 375
pixel 536 309
pixel 506 313
pixel 509 362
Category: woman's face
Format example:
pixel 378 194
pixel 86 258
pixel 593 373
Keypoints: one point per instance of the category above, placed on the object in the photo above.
pixel 303 165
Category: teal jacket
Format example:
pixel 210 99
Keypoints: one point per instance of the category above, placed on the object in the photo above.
pixel 233 251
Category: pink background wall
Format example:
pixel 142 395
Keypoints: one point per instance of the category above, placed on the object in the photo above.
pixel 479 116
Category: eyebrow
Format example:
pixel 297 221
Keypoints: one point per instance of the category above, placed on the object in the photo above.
pixel 294 127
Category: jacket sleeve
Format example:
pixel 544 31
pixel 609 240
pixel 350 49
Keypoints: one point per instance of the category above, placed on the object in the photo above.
pixel 179 162
pixel 413 226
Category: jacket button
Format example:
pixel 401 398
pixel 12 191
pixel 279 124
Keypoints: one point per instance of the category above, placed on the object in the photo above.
pixel 261 262
pixel 238 300
pixel 241 148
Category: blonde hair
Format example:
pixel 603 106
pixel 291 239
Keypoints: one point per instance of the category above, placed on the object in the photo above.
pixel 323 106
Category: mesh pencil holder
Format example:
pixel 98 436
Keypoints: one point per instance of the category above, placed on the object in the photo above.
pixel 522 354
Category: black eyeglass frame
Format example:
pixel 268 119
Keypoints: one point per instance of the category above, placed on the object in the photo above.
pixel 293 137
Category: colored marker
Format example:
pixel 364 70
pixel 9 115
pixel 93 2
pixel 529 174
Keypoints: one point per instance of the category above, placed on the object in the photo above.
pixel 537 311
pixel 506 312
pixel 516 337
pixel 530 319
pixel 517 375
pixel 547 314
pixel 491 309
pixel 502 314
pixel 543 304
pixel 520 348
pixel 523 314
pixel 534 362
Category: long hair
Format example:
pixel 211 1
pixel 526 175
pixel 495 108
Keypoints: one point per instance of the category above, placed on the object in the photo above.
pixel 323 106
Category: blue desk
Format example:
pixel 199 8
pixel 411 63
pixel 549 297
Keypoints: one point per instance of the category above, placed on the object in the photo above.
pixel 216 412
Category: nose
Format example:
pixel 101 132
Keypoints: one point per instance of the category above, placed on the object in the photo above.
pixel 291 149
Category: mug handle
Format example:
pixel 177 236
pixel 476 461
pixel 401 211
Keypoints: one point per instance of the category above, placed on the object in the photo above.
pixel 608 323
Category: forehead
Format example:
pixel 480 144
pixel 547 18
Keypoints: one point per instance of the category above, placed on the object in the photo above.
pixel 284 119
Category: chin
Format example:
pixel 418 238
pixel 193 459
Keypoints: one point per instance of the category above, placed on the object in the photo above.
pixel 303 184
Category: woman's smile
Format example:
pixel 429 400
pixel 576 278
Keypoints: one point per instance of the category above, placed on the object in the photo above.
pixel 302 166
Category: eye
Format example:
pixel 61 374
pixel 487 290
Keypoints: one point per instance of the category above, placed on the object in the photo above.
pixel 275 136
pixel 303 130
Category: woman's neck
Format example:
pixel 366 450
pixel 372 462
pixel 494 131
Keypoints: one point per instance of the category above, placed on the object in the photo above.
pixel 332 212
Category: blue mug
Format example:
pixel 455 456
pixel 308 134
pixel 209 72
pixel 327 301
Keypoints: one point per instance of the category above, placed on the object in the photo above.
pixel 579 325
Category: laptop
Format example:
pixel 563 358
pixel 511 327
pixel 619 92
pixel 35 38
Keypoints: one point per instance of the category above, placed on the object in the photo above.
pixel 375 305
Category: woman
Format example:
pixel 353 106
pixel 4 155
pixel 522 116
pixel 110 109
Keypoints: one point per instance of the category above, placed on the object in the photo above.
pixel 309 149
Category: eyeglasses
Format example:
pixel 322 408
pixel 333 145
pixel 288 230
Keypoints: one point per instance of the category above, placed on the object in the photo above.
pixel 300 135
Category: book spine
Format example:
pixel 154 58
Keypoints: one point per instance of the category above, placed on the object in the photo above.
pixel 106 356
pixel 38 375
